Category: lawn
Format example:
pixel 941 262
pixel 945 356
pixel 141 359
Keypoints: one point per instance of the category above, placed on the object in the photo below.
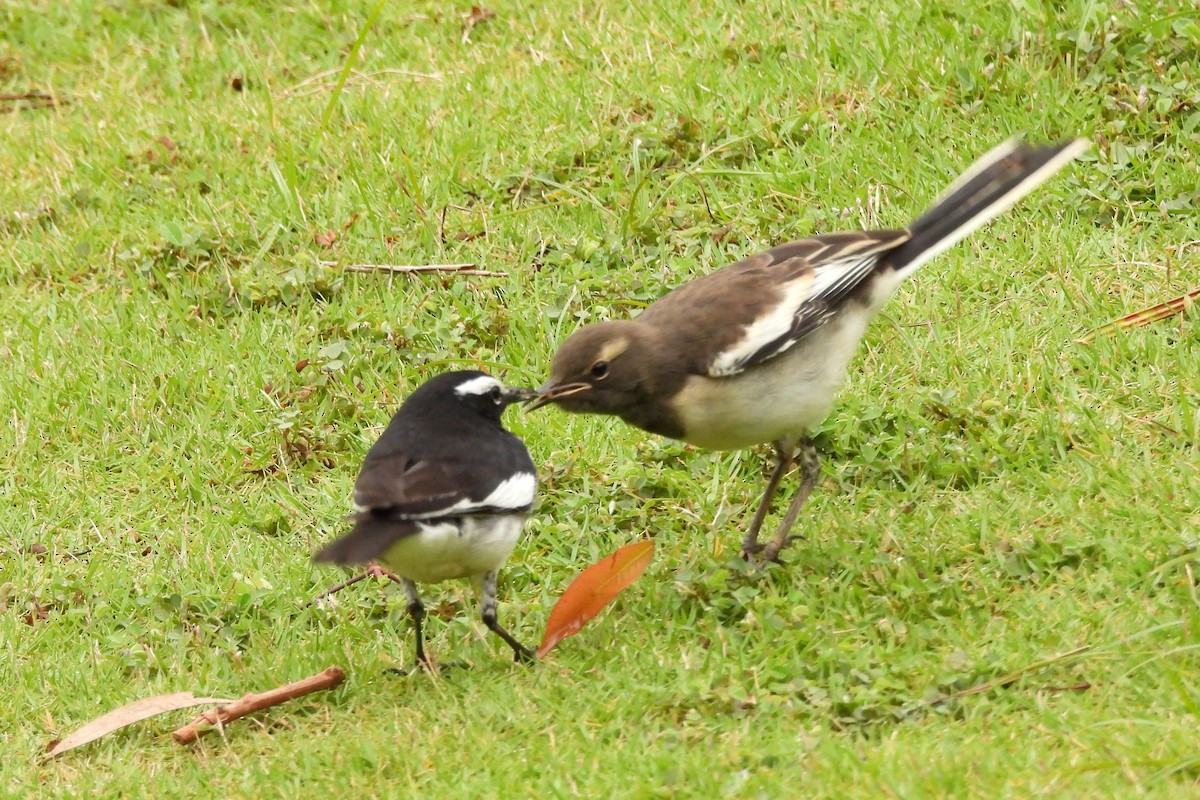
pixel 996 595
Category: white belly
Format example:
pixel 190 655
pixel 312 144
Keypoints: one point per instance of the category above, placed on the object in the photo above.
pixel 780 399
pixel 443 550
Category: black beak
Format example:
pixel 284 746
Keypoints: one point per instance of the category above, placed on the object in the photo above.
pixel 515 394
pixel 550 392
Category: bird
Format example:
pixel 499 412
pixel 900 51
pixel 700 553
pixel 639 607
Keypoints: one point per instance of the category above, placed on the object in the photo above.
pixel 756 352
pixel 444 493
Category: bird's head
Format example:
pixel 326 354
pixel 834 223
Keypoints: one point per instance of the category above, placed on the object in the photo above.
pixel 600 369
pixel 479 392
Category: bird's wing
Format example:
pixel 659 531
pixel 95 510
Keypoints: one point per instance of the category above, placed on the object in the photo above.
pixel 399 486
pixel 757 308
pixel 396 492
pixel 368 540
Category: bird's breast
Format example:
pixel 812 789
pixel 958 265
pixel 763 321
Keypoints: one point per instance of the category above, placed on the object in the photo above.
pixel 780 399
pixel 458 547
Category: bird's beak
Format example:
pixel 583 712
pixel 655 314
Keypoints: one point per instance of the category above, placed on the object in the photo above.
pixel 550 392
pixel 515 394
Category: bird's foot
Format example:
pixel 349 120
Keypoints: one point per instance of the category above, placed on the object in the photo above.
pixel 373 570
pixel 751 546
pixel 426 665
pixel 763 554
pixel 750 550
pixel 523 655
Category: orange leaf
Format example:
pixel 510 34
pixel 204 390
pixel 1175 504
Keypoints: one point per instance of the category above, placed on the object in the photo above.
pixel 595 587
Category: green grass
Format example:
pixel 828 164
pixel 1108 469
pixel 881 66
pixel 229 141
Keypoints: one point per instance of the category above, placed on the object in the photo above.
pixel 187 392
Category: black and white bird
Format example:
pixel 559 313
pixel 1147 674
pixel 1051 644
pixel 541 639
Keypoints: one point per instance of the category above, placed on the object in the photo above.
pixel 757 351
pixel 444 494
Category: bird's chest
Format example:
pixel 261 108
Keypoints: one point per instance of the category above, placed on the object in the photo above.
pixel 780 399
pixel 458 548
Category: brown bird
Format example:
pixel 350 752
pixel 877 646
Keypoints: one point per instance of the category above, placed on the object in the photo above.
pixel 757 351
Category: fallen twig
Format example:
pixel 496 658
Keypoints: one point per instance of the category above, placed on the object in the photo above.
pixel 307 87
pixel 1016 675
pixel 373 571
pixel 1147 315
pixel 1082 686
pixel 459 269
pixel 189 733
pixel 30 100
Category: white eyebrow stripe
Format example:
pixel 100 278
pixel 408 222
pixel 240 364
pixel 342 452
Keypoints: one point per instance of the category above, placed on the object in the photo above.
pixel 481 385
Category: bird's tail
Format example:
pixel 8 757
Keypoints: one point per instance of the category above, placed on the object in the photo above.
pixel 369 539
pixel 993 184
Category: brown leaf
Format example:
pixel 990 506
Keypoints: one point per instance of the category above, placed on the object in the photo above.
pixel 128 714
pixel 595 587
pixel 474 17
pixel 719 236
pixel 36 613
pixel 327 238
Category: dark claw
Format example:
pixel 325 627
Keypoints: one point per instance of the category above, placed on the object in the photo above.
pixel 749 551
pixel 426 666
pixel 769 553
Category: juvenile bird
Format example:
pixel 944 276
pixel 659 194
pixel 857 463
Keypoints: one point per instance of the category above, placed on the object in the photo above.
pixel 756 352
pixel 443 494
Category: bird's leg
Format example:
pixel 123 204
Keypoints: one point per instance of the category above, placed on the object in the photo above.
pixel 810 471
pixel 487 605
pixel 783 461
pixel 416 610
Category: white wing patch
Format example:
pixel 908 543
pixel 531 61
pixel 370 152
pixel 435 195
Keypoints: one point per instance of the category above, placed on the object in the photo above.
pixel 516 492
pixel 765 329
pixel 833 277
pixel 827 279
pixel 480 385
pixel 511 494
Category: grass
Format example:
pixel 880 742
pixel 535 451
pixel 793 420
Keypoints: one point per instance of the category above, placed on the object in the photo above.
pixel 996 596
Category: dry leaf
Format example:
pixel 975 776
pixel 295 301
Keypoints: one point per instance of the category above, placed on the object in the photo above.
pixel 1147 315
pixel 595 587
pixel 475 16
pixel 128 714
pixel 326 239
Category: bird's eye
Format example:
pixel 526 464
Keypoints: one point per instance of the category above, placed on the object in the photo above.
pixel 496 395
pixel 600 370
